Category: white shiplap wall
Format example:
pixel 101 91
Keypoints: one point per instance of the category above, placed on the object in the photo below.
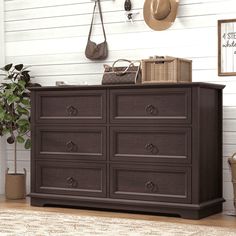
pixel 51 36
pixel 2 61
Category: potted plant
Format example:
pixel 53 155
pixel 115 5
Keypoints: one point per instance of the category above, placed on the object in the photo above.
pixel 15 122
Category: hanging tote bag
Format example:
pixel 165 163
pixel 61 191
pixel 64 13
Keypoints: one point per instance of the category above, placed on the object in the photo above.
pixel 95 51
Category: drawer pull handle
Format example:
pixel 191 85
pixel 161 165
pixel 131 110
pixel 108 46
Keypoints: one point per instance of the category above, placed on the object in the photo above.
pixel 150 109
pixel 71 182
pixel 71 147
pixel 150 186
pixel 71 110
pixel 151 148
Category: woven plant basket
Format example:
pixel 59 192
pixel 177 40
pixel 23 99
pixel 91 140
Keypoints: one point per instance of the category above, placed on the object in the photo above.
pixel 232 162
pixel 15 185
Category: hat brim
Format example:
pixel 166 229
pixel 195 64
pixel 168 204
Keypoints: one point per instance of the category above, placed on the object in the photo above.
pixel 160 24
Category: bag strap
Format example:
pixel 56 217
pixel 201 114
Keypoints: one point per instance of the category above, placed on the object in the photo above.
pixel 120 73
pixel 126 69
pixel 100 13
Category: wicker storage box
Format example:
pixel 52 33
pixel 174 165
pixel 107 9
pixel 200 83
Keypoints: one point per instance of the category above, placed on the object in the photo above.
pixel 166 70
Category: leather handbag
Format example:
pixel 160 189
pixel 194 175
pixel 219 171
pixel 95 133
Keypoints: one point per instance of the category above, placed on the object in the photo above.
pixel 95 51
pixel 121 75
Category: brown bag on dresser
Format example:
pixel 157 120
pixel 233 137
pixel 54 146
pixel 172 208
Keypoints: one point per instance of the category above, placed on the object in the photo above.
pixel 95 51
pixel 121 75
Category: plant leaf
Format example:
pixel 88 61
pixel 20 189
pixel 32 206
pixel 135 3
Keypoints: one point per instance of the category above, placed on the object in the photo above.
pixel 2 113
pixel 22 83
pixel 23 129
pixel 8 67
pixel 8 117
pixel 22 122
pixel 8 93
pixel 25 101
pixel 28 144
pixel 19 67
pixel 22 110
pixel 20 139
pixel 12 98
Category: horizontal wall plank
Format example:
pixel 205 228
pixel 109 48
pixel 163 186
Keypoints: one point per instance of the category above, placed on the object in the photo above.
pixel 74 26
pixel 227 176
pixel 226 165
pixel 22 155
pixel 139 53
pixel 229 138
pixel 85 68
pixel 82 23
pixel 228 151
pixel 228 205
pixel 229 125
pixel 228 191
pixel 28 4
pixel 229 100
pixel 199 9
pixel 116 42
pixel 229 112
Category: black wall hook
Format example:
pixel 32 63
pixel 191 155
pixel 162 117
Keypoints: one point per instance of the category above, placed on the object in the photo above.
pixel 128 5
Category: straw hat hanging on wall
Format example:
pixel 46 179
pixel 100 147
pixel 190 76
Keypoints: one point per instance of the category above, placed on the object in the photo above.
pixel 160 14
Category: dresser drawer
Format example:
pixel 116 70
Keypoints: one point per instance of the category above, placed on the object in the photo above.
pixel 155 183
pixel 71 142
pixel 84 179
pixel 150 105
pixel 71 106
pixel 151 144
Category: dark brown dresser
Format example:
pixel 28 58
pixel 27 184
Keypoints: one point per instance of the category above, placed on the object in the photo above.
pixel 149 148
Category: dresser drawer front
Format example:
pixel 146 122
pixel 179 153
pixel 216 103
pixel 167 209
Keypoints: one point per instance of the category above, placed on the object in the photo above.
pixel 71 142
pixel 71 107
pixel 151 105
pixel 85 179
pixel 165 184
pixel 151 144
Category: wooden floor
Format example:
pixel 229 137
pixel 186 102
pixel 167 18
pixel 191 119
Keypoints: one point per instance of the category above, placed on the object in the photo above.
pixel 215 220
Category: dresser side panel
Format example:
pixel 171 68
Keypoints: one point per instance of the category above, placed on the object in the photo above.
pixel 210 144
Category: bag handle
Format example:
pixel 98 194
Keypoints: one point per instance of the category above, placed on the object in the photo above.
pixel 126 69
pixel 100 13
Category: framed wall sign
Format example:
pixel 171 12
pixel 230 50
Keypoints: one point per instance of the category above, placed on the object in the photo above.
pixel 227 47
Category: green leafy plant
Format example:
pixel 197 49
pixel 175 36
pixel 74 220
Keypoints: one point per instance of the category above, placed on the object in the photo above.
pixel 15 106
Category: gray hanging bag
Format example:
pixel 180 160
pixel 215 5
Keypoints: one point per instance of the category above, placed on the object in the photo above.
pixel 95 51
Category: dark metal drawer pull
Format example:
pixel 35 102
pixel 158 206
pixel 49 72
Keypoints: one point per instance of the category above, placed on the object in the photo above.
pixel 71 110
pixel 150 109
pixel 150 186
pixel 71 147
pixel 71 182
pixel 151 148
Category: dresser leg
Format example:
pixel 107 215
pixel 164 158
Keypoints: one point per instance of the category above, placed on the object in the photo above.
pixel 201 213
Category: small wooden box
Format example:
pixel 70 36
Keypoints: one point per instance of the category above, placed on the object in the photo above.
pixel 166 70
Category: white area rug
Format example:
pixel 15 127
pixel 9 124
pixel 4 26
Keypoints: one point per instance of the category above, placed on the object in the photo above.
pixel 35 223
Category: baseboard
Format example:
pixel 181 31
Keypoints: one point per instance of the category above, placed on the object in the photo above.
pixel 187 211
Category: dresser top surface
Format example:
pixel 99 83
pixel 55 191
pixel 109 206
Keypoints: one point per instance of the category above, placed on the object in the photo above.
pixel 131 86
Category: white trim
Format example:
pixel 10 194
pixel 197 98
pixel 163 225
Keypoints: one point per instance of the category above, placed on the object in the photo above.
pixel 2 62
